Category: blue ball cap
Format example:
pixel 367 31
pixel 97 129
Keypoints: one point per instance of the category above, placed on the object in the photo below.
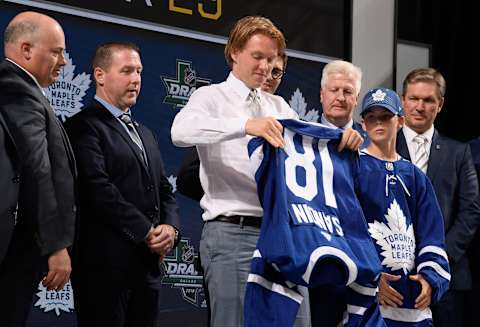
pixel 382 97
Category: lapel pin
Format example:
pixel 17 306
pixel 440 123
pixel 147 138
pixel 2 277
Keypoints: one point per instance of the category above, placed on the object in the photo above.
pixel 437 146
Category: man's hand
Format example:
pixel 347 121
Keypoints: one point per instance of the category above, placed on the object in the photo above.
pixel 425 297
pixel 268 128
pixel 387 295
pixel 161 239
pixel 351 139
pixel 59 269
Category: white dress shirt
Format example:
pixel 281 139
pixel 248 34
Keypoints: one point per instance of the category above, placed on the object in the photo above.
pixel 412 146
pixel 214 121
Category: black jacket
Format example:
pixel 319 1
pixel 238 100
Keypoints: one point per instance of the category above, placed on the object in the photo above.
pixel 47 186
pixel 9 185
pixel 120 198
pixel 452 173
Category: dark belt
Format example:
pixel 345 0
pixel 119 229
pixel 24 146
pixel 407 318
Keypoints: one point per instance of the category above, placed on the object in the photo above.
pixel 241 220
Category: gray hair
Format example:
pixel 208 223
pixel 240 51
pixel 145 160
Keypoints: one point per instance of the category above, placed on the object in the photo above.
pixel 16 30
pixel 345 68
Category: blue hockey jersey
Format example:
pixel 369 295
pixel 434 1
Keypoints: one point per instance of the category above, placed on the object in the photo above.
pixel 406 224
pixel 313 231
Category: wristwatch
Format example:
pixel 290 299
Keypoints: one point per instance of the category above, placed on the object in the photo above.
pixel 176 239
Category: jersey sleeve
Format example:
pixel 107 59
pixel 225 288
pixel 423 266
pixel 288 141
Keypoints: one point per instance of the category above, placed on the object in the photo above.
pixel 431 257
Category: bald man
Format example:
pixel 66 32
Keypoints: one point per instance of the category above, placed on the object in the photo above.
pixel 34 46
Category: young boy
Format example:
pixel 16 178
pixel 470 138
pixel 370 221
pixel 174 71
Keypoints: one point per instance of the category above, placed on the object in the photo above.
pixel 403 216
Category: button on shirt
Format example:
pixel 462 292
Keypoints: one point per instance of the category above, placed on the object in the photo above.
pixel 412 146
pixel 214 120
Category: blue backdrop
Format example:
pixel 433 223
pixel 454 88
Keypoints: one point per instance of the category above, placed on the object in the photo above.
pixel 173 67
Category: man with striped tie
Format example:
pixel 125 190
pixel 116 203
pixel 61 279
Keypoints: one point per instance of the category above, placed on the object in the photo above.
pixel 449 166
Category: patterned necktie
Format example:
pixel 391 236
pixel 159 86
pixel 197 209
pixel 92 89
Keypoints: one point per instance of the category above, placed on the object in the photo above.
pixel 421 155
pixel 134 135
pixel 254 102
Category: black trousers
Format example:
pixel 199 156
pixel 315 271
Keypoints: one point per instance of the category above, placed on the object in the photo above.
pixel 114 299
pixel 20 273
pixel 451 311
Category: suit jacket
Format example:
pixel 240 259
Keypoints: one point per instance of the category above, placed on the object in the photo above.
pixel 120 197
pixel 452 173
pixel 47 197
pixel 9 184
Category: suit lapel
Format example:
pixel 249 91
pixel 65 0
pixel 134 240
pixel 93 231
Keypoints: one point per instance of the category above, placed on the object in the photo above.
pixel 111 121
pixel 402 147
pixel 63 133
pixel 50 112
pixel 436 155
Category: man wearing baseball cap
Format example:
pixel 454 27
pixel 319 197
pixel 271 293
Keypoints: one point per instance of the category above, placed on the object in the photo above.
pixel 403 216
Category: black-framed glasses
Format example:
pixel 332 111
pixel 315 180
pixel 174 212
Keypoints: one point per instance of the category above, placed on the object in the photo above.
pixel 277 73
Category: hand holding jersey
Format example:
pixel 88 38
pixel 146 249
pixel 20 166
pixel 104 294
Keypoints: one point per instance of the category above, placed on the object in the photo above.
pixel 267 127
pixel 424 299
pixel 351 140
pixel 387 295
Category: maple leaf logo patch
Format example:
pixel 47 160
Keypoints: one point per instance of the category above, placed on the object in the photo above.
pixel 57 301
pixel 395 238
pixel 66 94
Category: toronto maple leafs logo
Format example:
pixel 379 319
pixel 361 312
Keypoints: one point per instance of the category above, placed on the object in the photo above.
pixel 297 102
pixel 379 95
pixel 55 300
pixel 395 238
pixel 173 181
pixel 66 94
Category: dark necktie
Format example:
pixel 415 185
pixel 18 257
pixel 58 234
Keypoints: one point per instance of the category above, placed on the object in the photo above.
pixel 127 120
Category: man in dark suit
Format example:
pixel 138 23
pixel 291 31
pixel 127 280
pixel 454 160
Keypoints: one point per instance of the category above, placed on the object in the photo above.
pixel 128 218
pixel 449 166
pixel 34 50
pixel 9 184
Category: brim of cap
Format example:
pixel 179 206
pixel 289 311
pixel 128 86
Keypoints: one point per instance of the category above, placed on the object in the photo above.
pixel 377 105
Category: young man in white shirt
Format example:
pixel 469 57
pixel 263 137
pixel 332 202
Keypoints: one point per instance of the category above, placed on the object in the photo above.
pixel 220 120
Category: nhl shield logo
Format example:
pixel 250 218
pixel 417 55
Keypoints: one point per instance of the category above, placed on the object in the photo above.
pixel 66 94
pixel 190 76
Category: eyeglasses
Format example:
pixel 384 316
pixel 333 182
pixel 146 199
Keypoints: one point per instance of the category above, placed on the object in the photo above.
pixel 277 73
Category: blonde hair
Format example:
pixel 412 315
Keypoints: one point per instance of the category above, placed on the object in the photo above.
pixel 248 26
pixel 429 75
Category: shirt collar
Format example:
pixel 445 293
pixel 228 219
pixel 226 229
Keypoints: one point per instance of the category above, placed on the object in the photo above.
pixel 240 88
pixel 29 74
pixel 116 112
pixel 410 134
pixel 325 121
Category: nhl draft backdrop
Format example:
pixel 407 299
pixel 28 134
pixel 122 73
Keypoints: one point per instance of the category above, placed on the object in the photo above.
pixel 176 63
